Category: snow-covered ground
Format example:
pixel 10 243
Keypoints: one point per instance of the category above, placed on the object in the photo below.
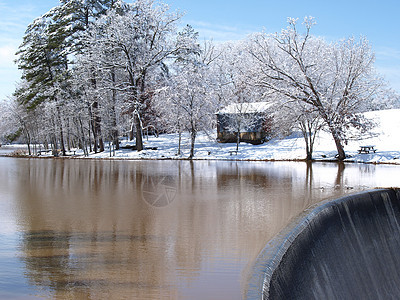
pixel 385 137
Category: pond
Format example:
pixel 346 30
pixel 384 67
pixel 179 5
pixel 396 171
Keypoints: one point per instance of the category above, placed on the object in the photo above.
pixel 91 229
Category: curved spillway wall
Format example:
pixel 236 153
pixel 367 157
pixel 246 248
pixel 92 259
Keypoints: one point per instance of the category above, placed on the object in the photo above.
pixel 347 248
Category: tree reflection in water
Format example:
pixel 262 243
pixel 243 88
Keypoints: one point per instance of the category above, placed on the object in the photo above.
pixel 91 229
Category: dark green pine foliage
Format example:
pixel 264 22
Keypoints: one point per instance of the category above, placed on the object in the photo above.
pixel 73 18
pixel 49 45
pixel 43 63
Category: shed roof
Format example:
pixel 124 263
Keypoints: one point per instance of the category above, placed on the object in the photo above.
pixel 246 108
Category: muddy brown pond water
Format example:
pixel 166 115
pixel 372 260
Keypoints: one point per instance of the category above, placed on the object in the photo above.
pixel 89 229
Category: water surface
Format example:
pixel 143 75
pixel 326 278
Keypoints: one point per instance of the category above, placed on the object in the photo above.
pixel 153 229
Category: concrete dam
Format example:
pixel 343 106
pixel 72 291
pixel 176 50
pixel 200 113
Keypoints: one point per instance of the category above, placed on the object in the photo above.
pixel 347 248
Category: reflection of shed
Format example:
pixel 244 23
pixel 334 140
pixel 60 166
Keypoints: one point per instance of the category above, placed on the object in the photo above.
pixel 250 119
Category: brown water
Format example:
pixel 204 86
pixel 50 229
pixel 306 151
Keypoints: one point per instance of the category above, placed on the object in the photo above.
pixel 85 229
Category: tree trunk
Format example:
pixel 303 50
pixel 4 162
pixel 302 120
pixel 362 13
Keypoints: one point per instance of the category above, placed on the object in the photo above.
pixel 179 142
pixel 115 137
pixel 62 141
pixel 99 135
pixel 83 139
pixel 96 128
pixel 338 142
pixel 61 131
pixel 114 131
pixel 309 145
pixel 54 146
pixel 28 144
pixel 307 132
pixel 28 140
pixel 90 136
pixel 95 147
pixel 92 129
pixel 139 136
pixel 96 120
pixel 341 154
pixel 237 140
pixel 69 141
pixel 132 131
pixel 192 141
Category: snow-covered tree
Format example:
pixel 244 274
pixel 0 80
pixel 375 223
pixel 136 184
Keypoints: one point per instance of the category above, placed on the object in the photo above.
pixel 16 122
pixel 188 102
pixel 298 116
pixel 192 98
pixel 139 39
pixel 50 45
pixel 71 19
pixel 167 98
pixel 338 79
pixel 9 120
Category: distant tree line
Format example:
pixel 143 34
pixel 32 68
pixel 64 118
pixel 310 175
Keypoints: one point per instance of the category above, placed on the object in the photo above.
pixel 95 71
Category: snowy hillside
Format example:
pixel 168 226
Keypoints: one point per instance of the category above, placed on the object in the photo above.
pixel 385 137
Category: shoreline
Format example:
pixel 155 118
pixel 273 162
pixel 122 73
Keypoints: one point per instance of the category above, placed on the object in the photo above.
pixel 81 157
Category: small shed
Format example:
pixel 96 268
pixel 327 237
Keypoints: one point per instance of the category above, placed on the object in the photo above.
pixel 253 121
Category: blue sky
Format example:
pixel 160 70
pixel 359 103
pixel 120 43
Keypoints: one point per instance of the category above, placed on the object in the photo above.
pixel 231 20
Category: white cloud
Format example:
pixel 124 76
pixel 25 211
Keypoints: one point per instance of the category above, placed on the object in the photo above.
pixel 388 65
pixel 7 56
pixel 391 74
pixel 219 32
pixel 387 53
pixel 14 20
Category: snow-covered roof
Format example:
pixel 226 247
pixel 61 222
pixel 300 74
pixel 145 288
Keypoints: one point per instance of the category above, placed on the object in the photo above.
pixel 246 108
